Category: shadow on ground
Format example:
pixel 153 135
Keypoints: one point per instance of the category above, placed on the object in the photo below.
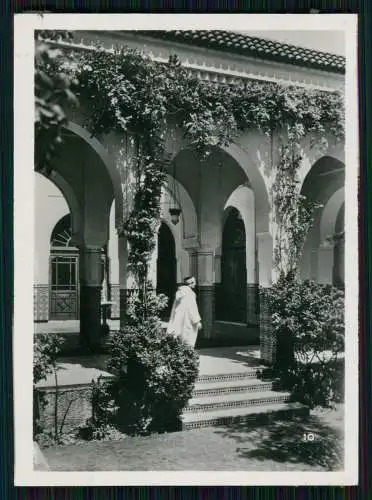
pixel 240 355
pixel 249 355
pixel 310 441
pixel 98 362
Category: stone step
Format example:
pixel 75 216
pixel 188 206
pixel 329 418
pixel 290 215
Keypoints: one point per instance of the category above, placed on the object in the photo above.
pixel 221 377
pixel 231 386
pixel 235 400
pixel 254 414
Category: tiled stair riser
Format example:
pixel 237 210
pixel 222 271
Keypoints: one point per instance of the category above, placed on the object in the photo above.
pixel 217 392
pixel 227 376
pixel 234 404
pixel 263 417
pixel 237 397
pixel 217 400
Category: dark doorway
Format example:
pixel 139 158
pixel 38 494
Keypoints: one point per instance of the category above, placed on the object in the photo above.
pixel 233 289
pixel 166 269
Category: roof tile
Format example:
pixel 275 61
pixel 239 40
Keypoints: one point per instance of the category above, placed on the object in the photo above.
pixel 254 47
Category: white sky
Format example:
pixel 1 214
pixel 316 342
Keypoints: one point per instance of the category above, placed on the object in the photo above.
pixel 325 41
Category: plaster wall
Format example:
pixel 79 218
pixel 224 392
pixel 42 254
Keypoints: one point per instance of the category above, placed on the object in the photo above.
pixel 50 207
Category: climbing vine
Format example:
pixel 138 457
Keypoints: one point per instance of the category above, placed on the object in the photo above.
pixel 131 94
pixel 53 95
pixel 293 214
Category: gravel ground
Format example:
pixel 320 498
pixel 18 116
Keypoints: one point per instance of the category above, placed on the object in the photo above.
pixel 275 447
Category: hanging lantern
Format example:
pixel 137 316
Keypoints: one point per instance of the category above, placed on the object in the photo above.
pixel 175 211
pixel 175 214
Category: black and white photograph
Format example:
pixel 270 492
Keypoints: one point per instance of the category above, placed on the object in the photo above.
pixel 186 249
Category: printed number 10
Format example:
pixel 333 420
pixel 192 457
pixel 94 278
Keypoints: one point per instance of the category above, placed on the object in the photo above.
pixel 308 436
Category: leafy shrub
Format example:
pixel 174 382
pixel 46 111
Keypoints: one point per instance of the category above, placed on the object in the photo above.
pixel 145 304
pixel 154 378
pixel 46 349
pixel 308 323
pixel 316 384
pixel 101 424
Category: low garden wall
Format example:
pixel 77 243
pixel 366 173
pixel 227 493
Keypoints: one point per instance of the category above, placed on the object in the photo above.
pixel 71 410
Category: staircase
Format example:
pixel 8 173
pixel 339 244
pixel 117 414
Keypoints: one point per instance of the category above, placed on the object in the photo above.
pixel 219 399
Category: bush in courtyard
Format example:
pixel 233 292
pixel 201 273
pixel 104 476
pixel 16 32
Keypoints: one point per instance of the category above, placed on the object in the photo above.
pixel 101 425
pixel 154 378
pixel 46 349
pixel 308 322
pixel 145 306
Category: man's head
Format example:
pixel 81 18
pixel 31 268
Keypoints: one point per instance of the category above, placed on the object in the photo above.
pixel 190 281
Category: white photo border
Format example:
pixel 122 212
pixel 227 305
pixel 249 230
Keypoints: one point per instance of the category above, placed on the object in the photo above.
pixel 24 220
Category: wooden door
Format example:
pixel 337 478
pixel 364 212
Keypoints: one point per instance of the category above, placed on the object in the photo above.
pixel 64 286
pixel 166 266
pixel 233 293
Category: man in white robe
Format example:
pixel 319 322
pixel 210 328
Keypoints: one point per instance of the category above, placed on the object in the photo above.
pixel 185 319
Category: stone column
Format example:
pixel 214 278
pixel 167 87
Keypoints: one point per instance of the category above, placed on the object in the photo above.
pixel 314 264
pixel 252 286
pixel 123 279
pixel 265 265
pixel 340 264
pixel 252 304
pixel 205 288
pixel 325 263
pixel 90 298
pixel 193 262
pixel 217 292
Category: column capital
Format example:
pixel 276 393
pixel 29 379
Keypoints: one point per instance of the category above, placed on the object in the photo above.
pixel 205 266
pixel 189 242
pixel 90 248
pixel 205 251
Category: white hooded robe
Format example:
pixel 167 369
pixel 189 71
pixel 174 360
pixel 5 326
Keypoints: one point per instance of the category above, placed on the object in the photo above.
pixel 184 317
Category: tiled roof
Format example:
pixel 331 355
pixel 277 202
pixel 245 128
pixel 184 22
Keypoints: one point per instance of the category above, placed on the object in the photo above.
pixel 242 44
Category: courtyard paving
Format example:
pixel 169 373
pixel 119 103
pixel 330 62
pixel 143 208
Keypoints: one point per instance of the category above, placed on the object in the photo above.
pixel 82 370
pixel 279 446
pixel 68 327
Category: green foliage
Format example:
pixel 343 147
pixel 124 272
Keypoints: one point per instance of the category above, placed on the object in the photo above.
pixel 145 305
pixel 101 424
pixel 53 95
pixel 130 94
pixel 292 212
pixel 135 96
pixel 154 378
pixel 308 323
pixel 141 97
pixel 46 350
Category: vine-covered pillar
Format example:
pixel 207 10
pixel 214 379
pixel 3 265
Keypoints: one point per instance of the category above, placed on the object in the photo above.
pixel 90 271
pixel 121 148
pixel 153 262
pixel 265 268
